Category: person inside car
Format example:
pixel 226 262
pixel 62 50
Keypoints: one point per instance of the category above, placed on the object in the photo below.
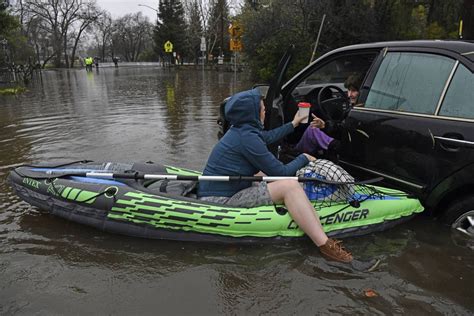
pixel 314 139
pixel 243 151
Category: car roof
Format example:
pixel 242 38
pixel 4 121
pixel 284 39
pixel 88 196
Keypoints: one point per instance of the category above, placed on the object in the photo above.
pixel 457 46
pixel 461 47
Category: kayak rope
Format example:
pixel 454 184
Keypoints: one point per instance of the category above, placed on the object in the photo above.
pixel 57 166
pixel 356 203
pixel 53 188
pixel 109 192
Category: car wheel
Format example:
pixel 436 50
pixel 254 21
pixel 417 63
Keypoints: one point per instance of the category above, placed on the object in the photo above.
pixel 460 215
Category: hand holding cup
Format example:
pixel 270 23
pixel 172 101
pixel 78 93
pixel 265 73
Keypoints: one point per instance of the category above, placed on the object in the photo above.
pixel 302 116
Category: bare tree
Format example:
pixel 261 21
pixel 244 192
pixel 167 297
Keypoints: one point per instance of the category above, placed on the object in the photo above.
pixel 37 32
pixel 203 10
pixel 103 34
pixel 88 15
pixel 66 21
pixel 131 35
pixel 214 16
pixel 217 25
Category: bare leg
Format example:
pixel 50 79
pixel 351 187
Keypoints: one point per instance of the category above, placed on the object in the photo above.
pixel 292 195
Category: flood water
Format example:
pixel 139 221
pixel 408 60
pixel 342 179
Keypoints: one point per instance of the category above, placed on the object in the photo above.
pixel 51 266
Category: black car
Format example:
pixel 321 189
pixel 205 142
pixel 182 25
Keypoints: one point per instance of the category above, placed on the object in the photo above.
pixel 414 124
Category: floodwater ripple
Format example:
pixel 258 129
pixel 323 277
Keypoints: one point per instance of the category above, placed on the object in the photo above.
pixel 52 266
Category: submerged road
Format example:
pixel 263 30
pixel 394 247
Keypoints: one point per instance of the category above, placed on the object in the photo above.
pixel 51 266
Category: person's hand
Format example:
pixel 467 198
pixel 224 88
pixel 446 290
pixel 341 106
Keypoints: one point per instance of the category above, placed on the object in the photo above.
pixel 310 158
pixel 298 119
pixel 317 122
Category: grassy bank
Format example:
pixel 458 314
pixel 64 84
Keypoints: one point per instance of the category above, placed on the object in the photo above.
pixel 12 91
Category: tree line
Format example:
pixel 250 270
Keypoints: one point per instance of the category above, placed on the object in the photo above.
pixel 54 31
pixel 57 32
pixel 271 25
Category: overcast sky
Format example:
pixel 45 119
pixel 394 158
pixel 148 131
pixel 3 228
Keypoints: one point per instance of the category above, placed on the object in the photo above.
pixel 121 7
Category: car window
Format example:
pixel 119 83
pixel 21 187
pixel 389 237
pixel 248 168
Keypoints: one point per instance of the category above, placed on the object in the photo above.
pixel 337 71
pixel 410 82
pixel 458 101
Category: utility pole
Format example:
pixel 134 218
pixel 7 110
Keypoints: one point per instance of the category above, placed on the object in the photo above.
pixel 222 26
pixel 466 29
pixel 317 39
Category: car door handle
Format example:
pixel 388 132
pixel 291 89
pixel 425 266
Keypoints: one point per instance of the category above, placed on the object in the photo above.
pixel 450 142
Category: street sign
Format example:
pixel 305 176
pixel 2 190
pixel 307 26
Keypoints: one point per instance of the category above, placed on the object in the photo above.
pixel 168 47
pixel 203 44
pixel 235 45
pixel 235 30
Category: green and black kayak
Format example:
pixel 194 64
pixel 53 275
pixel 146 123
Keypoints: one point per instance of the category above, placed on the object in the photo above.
pixel 167 209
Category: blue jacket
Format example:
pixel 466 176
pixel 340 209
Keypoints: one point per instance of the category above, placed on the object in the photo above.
pixel 243 149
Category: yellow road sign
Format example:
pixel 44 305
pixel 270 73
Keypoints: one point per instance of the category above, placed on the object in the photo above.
pixel 168 47
pixel 235 30
pixel 235 45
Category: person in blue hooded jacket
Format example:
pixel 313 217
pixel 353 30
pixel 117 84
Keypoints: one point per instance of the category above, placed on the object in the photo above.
pixel 243 151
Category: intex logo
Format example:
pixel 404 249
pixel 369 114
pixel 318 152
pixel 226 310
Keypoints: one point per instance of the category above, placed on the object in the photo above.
pixel 31 182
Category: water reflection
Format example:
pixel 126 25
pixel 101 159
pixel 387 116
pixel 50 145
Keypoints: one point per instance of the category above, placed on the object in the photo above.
pixel 51 266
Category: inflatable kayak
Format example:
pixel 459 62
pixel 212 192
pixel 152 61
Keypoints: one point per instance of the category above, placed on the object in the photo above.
pixel 167 209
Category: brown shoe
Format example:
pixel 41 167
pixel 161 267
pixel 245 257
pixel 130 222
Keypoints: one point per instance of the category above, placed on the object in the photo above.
pixel 334 250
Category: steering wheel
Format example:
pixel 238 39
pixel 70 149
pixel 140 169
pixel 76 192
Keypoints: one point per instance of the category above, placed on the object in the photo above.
pixel 336 108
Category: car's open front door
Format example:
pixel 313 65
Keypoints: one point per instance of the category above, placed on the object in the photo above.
pixel 273 98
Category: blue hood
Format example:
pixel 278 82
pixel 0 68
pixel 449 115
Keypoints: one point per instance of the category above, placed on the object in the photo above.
pixel 244 108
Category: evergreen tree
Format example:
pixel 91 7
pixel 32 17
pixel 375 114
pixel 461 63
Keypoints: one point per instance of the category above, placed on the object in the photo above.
pixel 445 13
pixel 194 32
pixel 170 26
pixel 271 25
